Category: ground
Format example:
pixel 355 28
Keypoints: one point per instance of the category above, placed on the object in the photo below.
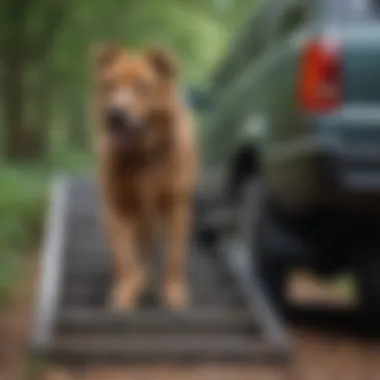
pixel 318 355
pixel 15 325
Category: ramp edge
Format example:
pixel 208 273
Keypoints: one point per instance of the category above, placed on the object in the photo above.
pixel 51 267
pixel 258 301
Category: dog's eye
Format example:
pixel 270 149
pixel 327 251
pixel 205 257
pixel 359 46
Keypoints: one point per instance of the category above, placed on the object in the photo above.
pixel 142 88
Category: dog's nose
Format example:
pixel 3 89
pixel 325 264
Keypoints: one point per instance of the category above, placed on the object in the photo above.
pixel 116 119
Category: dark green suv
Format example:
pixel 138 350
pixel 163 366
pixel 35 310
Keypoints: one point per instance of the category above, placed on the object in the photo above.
pixel 295 104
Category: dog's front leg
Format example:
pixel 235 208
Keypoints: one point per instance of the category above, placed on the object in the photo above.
pixel 175 279
pixel 129 273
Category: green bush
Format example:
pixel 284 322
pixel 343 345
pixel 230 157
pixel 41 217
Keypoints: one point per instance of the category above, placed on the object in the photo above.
pixel 23 191
pixel 22 198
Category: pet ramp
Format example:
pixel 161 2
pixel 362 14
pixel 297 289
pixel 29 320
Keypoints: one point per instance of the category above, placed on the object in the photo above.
pixel 230 319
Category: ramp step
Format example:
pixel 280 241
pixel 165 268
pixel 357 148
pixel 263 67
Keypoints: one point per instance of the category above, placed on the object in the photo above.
pixel 160 348
pixel 93 296
pixel 95 273
pixel 207 320
pixel 98 277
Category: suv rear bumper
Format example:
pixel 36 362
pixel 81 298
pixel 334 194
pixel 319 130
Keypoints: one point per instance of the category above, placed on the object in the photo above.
pixel 358 168
pixel 355 149
pixel 336 165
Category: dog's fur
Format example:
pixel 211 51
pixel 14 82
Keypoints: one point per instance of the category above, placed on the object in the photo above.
pixel 146 178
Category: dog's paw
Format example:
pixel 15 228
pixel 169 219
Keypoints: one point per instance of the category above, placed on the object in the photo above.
pixel 119 303
pixel 125 295
pixel 176 296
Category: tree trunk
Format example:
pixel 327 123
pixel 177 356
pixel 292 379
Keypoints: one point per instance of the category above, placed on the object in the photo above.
pixel 41 51
pixel 77 136
pixel 14 60
pixel 39 137
pixel 14 99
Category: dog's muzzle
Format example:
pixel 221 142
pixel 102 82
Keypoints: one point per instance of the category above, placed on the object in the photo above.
pixel 117 121
pixel 122 129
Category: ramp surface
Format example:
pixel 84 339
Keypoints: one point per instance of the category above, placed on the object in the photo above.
pixel 229 318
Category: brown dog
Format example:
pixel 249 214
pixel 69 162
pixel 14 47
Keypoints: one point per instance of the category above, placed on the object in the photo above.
pixel 147 168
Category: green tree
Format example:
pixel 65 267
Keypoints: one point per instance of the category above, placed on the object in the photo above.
pixel 46 71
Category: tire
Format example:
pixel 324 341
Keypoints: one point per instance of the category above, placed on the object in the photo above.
pixel 367 271
pixel 207 238
pixel 243 167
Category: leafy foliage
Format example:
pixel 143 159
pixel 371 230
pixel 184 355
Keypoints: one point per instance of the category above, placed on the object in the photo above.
pixel 21 202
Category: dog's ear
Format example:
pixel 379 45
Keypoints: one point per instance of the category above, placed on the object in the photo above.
pixel 105 54
pixel 163 61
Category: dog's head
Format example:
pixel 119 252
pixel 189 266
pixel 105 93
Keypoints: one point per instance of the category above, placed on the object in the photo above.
pixel 130 87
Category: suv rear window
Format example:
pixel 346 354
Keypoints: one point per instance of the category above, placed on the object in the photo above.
pixel 351 10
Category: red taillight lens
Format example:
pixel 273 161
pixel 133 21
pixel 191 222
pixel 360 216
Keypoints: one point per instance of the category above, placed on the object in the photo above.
pixel 320 76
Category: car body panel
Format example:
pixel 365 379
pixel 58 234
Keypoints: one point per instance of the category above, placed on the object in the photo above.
pixel 307 159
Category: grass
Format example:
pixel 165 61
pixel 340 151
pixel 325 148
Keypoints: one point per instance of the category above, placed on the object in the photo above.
pixel 35 367
pixel 23 196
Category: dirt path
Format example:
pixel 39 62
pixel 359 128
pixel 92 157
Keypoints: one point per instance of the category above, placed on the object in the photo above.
pixel 15 325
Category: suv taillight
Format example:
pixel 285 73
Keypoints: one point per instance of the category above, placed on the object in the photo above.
pixel 320 76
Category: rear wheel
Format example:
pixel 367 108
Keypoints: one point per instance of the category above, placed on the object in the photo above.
pixel 367 268
pixel 243 168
